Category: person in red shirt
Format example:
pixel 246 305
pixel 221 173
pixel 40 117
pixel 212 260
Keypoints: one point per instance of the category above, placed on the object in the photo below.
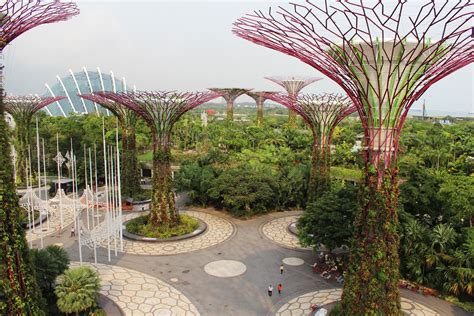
pixel 280 288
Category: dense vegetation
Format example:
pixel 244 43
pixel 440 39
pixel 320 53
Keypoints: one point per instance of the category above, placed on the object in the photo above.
pixel 247 170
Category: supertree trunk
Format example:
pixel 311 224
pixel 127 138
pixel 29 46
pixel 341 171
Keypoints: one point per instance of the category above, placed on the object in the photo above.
pixel 22 134
pixel 371 283
pixel 259 114
pixel 385 59
pixel 320 173
pixel 161 110
pixel 230 110
pixel 17 283
pixel 163 208
pixel 292 119
pixel 130 176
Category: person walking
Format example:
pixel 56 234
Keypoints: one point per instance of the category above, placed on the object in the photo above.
pixel 281 268
pixel 280 288
pixel 73 232
pixel 270 290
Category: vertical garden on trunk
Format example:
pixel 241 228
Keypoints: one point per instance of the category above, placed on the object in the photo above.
pixel 161 110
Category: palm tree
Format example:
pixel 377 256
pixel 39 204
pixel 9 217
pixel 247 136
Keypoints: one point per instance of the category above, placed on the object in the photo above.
pixel 77 290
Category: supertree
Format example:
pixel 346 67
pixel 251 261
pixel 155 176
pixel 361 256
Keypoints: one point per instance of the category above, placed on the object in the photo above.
pixel 260 97
pixel 128 121
pixel 161 110
pixel 18 288
pixel 229 95
pixel 384 58
pixel 322 113
pixel 22 109
pixel 293 86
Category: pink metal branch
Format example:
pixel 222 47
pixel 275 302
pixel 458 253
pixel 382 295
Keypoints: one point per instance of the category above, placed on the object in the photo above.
pixel 383 58
pixel 26 106
pixel 19 16
pixel 160 109
pixel 293 85
pixel 321 112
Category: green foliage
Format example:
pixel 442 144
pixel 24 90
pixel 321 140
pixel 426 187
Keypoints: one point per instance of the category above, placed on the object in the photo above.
pixel 49 263
pixel 77 290
pixel 329 220
pixel 18 289
pixel 141 226
pixel 243 192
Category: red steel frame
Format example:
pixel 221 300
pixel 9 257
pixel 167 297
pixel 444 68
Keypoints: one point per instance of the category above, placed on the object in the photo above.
pixel 342 40
pixel 229 95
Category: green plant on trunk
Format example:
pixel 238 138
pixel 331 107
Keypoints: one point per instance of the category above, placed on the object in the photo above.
pixel 161 110
pixel 322 113
pixel 130 177
pixel 22 109
pixel 19 293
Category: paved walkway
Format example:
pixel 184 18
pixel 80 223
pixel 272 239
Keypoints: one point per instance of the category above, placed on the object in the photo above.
pixel 218 230
pixel 300 306
pixel 245 293
pixel 277 231
pixel 139 294
pixel 53 227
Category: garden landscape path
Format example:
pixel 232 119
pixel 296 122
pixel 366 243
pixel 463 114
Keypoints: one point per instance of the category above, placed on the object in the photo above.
pixel 243 266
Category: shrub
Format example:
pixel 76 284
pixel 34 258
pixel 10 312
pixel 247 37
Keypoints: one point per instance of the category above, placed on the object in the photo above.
pixel 77 290
pixel 140 226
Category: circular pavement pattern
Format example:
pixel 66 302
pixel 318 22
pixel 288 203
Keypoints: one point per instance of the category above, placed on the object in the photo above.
pixel 225 268
pixel 218 230
pixel 140 294
pixel 293 261
pixel 301 305
pixel 277 231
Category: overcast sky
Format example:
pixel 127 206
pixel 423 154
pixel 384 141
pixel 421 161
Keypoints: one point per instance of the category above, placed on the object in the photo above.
pixel 178 45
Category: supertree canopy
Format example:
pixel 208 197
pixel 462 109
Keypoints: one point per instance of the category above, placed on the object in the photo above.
pixel 161 110
pixel 322 113
pixel 229 95
pixel 18 290
pixel 384 57
pixel 260 97
pixel 128 121
pixel 22 109
pixel 293 86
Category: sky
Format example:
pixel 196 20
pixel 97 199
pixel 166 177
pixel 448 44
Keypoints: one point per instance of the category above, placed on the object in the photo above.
pixel 177 45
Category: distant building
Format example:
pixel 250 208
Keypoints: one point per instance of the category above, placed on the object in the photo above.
pixel 81 82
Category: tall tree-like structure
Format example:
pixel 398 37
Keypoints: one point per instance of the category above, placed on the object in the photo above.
pixel 384 58
pixel 22 109
pixel 18 291
pixel 260 97
pixel 322 113
pixel 293 86
pixel 161 110
pixel 128 121
pixel 229 95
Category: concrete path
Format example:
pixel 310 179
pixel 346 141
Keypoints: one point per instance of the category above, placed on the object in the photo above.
pixel 245 293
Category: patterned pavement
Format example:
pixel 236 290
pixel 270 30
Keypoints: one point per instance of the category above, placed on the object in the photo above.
pixel 139 294
pixel 300 305
pixel 277 231
pixel 218 230
pixel 54 225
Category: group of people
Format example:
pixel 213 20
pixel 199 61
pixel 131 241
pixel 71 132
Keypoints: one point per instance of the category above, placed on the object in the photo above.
pixel 279 286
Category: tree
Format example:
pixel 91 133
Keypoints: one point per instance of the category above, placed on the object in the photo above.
pixel 49 263
pixel 329 220
pixel 384 59
pixel 17 285
pixel 229 95
pixel 322 113
pixel 161 110
pixel 128 122
pixel 77 290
